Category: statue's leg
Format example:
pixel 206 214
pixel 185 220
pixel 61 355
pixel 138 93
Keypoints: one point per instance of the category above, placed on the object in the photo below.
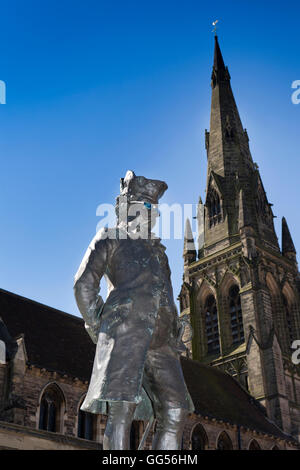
pixel 117 431
pixel 169 428
pixel 164 383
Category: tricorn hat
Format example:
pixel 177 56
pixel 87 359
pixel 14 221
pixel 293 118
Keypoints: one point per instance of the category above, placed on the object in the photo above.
pixel 139 188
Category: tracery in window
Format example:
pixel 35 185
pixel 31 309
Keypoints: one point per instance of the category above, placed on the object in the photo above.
pixel 211 325
pixel 51 409
pixel 224 442
pixel 235 311
pixel 214 208
pixel 288 319
pixel 86 425
pixel 199 440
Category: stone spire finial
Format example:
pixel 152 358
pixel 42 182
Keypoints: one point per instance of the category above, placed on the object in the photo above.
pixel 287 246
pixel 189 249
pixel 218 58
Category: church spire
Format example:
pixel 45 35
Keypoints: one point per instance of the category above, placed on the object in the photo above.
pixel 226 130
pixel 219 65
pixel 218 58
pixel 231 169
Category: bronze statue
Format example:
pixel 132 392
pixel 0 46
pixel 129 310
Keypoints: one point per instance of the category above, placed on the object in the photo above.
pixel 137 371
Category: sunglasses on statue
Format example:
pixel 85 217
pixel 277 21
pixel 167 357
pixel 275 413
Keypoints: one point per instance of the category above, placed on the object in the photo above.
pixel 148 205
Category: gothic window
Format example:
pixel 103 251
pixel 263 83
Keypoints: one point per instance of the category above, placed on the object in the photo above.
pixel 224 442
pixel 214 208
pixel 254 445
pixel 211 325
pixel 235 311
pixel 44 414
pixel 51 409
pixel 288 319
pixel 85 425
pixel 199 439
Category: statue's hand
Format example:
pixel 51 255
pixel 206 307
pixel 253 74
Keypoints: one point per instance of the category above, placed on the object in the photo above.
pixel 92 324
pixel 92 317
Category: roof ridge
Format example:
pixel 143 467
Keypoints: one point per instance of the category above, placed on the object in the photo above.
pixel 69 315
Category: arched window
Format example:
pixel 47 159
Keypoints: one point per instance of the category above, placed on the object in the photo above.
pixel 211 325
pixel 235 311
pixel 254 445
pixel 85 425
pixel 43 424
pixel 51 409
pixel 288 319
pixel 224 442
pixel 199 439
pixel 134 435
pixel 214 208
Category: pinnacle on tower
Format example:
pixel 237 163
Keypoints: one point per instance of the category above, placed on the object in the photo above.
pixel 189 249
pixel 287 246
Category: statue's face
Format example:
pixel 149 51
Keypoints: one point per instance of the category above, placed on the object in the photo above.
pixel 142 214
pixel 139 217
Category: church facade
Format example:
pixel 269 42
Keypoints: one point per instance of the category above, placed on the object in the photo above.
pixel 240 290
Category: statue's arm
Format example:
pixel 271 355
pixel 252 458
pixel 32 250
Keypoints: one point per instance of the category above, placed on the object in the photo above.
pixel 87 283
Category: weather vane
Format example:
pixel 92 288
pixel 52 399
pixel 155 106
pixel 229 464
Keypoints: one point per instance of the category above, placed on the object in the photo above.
pixel 215 27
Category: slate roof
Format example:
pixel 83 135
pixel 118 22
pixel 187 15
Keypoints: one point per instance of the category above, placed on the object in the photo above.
pixel 54 340
pixel 218 395
pixel 57 341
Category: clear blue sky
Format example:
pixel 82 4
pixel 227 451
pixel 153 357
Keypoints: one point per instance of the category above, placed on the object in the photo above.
pixel 98 87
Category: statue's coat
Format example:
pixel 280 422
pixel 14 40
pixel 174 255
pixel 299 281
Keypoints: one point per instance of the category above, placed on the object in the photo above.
pixel 140 289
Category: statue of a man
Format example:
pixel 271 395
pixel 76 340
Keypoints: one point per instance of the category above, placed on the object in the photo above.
pixel 136 365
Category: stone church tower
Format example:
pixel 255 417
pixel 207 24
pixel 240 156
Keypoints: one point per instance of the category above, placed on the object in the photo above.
pixel 240 290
